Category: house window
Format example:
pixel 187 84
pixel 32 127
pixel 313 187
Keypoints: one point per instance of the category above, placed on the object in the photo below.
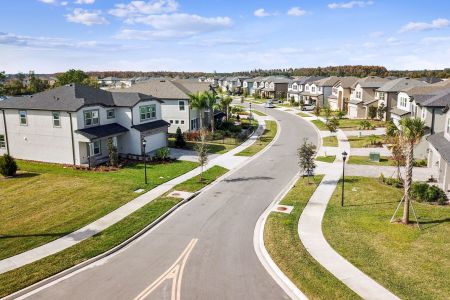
pixel 381 95
pixel 96 148
pixel 177 122
pixel 56 119
pixel 2 141
pixel 403 101
pixel 147 112
pixel 424 113
pixel 110 113
pixel 91 118
pixel 182 121
pixel 171 121
pixel 358 95
pixel 313 89
pixel 23 117
pixel 181 105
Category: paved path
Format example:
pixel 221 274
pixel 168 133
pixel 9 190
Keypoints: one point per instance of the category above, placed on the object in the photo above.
pixel 227 160
pixel 311 235
pixel 205 249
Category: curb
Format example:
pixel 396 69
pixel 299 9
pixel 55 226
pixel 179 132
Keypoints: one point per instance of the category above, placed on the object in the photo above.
pixel 258 243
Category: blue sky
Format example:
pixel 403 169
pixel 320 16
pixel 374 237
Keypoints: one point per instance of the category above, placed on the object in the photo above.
pixel 222 35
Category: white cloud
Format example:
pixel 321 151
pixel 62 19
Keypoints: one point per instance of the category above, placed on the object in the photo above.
pixel 422 26
pixel 54 2
pixel 86 17
pixel 174 25
pixel 392 40
pixel 84 1
pixel 296 11
pixel 262 13
pixel 48 1
pixel 140 8
pixel 64 3
pixel 350 4
pixel 376 34
pixel 435 39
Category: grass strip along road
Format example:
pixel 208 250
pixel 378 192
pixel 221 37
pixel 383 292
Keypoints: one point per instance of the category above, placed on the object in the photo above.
pixel 46 201
pixel 112 236
pixel 284 246
pixel 267 136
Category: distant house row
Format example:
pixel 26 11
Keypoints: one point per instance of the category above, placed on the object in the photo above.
pixel 73 124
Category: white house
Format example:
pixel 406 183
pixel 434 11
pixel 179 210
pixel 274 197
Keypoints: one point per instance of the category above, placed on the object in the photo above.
pixel 73 124
pixel 176 109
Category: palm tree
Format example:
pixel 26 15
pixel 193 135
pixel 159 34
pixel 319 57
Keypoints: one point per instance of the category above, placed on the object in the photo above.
pixel 225 103
pixel 211 101
pixel 198 101
pixel 412 130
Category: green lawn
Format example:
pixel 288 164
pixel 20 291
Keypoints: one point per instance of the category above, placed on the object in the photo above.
pixel 256 112
pixel 330 141
pixel 364 160
pixel 284 246
pixel 213 147
pixel 412 263
pixel 45 201
pixel 263 141
pixel 302 114
pixel 327 159
pixel 353 124
pixel 384 161
pixel 22 277
pixel 365 141
pixel 320 125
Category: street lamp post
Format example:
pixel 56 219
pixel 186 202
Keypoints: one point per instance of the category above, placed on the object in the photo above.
pixel 144 143
pixel 344 157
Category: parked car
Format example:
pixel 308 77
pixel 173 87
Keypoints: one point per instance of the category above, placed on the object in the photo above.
pixel 308 107
pixel 269 104
pixel 275 100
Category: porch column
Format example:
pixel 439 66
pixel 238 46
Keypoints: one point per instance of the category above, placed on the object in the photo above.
pixel 446 181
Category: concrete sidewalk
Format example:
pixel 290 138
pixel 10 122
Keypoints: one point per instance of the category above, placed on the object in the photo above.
pixel 227 160
pixel 311 235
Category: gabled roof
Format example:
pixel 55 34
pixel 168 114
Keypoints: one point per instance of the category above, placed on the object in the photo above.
pixel 370 82
pixel 347 82
pixel 400 84
pixel 168 89
pixel 441 144
pixel 327 81
pixel 428 89
pixel 440 99
pixel 98 132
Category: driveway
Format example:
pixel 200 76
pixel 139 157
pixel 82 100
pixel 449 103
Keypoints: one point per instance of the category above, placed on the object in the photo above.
pixel 205 249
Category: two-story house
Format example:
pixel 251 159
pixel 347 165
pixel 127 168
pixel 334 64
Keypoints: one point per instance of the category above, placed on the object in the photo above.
pixel 176 108
pixel 386 95
pixel 295 87
pixel 249 85
pixel 363 96
pixel 340 93
pixel 73 124
pixel 311 93
pixel 325 88
pixel 275 87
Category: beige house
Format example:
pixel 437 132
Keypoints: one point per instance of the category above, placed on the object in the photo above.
pixel 363 96
pixel 340 94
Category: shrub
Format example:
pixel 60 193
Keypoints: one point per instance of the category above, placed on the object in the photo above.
pixel 162 154
pixel 420 163
pixel 192 135
pixel 382 178
pixel 421 192
pixel 365 125
pixel 418 191
pixel 179 139
pixel 340 114
pixel 398 183
pixel 372 113
pixel 8 166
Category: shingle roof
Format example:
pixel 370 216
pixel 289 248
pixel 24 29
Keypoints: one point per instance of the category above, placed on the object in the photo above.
pixel 441 144
pixel 72 97
pixel 151 125
pixel 428 89
pixel 328 81
pixel 399 112
pixel 440 99
pixel 347 82
pixel 400 84
pixel 168 89
pixel 102 131
pixel 370 82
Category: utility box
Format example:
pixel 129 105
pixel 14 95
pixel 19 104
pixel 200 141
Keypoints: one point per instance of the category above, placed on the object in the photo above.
pixel 374 157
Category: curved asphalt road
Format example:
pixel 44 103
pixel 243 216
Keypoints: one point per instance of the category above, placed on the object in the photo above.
pixel 222 264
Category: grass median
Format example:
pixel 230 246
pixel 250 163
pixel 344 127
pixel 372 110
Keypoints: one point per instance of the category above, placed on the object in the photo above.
pixel 320 125
pixel 411 263
pixel 46 201
pixel 327 159
pixel 259 113
pixel 263 140
pixel 29 274
pixel 330 141
pixel 286 249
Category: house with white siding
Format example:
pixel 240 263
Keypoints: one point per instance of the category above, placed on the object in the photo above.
pixel 176 108
pixel 73 124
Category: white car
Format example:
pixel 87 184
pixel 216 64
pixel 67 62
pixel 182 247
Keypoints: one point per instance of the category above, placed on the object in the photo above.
pixel 308 107
pixel 269 104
